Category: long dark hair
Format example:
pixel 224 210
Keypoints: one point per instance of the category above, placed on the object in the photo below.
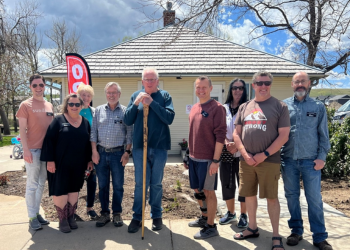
pixel 229 98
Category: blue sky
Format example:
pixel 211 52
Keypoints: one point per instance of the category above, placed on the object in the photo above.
pixel 239 32
pixel 103 23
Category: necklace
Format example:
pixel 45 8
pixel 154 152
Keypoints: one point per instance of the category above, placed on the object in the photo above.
pixel 75 122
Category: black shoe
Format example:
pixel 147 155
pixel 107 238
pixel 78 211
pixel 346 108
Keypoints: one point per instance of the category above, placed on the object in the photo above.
pixel 117 220
pixel 200 222
pixel 103 220
pixel 42 220
pixel 294 239
pixel 323 245
pixel 92 214
pixel 134 226
pixel 157 224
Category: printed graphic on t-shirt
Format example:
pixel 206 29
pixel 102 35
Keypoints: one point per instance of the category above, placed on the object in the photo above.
pixel 256 120
pixel 38 110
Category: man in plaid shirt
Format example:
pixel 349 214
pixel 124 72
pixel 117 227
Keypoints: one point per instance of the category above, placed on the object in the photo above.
pixel 109 135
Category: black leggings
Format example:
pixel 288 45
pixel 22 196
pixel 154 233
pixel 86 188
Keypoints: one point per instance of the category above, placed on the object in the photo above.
pixel 228 175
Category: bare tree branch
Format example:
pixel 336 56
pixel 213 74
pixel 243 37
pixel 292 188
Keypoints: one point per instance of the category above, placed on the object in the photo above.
pixel 320 27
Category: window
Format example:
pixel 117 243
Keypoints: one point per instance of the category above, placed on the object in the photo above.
pixel 250 91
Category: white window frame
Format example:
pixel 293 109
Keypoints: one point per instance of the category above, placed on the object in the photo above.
pixel 222 84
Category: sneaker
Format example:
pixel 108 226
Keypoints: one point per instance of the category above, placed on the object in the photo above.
pixel 41 220
pixel 157 224
pixel 294 239
pixel 243 221
pixel 34 224
pixel 200 222
pixel 134 226
pixel 323 245
pixel 92 214
pixel 103 220
pixel 117 220
pixel 206 232
pixel 228 218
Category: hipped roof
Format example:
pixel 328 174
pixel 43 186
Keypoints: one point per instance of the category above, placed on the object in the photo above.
pixel 185 53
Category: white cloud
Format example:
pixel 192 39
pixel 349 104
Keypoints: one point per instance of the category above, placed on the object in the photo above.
pixel 244 33
pixel 44 61
pixel 335 80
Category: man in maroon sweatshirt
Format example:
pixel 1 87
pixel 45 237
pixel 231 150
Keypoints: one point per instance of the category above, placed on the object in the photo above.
pixel 206 140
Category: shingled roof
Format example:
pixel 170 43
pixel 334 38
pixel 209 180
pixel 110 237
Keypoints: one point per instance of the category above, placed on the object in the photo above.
pixel 184 54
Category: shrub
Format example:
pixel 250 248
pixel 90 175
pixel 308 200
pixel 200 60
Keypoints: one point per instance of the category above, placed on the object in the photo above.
pixel 3 180
pixel 338 158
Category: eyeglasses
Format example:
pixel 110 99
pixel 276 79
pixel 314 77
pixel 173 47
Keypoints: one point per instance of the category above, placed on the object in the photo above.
pixel 237 87
pixel 41 85
pixel 298 82
pixel 267 83
pixel 72 104
pixel 150 80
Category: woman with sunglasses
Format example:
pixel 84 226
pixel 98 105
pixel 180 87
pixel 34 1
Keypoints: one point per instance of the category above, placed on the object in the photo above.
pixel 67 151
pixel 230 156
pixel 86 92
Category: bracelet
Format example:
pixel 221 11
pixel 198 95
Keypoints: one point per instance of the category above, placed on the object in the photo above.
pixel 241 147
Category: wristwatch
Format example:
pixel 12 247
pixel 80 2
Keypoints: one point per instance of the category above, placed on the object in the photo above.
pixel 216 161
pixel 266 153
pixel 128 151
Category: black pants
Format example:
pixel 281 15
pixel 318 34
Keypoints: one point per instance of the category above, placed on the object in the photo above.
pixel 228 175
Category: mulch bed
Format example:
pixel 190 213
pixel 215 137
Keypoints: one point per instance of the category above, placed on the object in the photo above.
pixel 178 201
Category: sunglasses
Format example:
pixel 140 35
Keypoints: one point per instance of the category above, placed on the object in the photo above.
pixel 237 87
pixel 267 83
pixel 41 85
pixel 72 104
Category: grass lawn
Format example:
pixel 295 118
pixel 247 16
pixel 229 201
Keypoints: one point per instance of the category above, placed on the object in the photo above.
pixel 6 140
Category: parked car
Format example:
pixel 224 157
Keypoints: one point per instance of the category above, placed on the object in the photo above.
pixel 342 112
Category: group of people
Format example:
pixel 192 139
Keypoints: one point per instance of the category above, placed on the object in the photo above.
pixel 249 141
pixel 63 147
pixel 253 141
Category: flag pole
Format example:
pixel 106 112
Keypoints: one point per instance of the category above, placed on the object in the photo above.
pixel 145 135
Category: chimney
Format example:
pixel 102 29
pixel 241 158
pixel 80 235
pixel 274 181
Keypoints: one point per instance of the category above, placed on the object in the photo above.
pixel 169 15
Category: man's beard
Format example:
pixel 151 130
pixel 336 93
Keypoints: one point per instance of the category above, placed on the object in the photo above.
pixel 300 93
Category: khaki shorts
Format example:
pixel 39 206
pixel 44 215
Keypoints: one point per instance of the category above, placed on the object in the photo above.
pixel 266 175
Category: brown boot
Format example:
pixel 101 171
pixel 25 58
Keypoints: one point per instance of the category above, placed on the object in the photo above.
pixel 62 216
pixel 71 211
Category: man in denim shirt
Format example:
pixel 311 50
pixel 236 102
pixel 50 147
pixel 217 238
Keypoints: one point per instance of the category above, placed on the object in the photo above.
pixel 305 154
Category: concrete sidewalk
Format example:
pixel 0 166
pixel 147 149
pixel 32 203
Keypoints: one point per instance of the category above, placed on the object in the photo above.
pixel 7 163
pixel 15 233
pixel 175 234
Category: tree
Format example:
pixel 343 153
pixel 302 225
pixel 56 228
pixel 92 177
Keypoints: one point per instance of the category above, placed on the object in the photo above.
pixel 63 41
pixel 13 56
pixel 319 29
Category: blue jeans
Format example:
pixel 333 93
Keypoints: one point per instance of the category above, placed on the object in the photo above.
pixel 291 171
pixel 91 190
pixel 36 177
pixel 108 165
pixel 156 159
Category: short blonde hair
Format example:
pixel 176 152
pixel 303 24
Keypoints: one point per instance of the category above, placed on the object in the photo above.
pixel 66 99
pixel 85 88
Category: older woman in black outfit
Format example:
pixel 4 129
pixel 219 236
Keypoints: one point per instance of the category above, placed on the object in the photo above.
pixel 230 156
pixel 67 151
